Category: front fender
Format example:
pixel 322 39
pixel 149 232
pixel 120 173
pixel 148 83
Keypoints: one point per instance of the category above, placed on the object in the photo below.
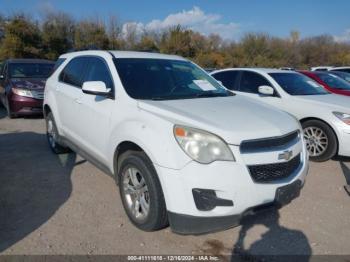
pixel 155 137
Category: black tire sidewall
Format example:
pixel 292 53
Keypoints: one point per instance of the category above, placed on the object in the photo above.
pixel 58 149
pixel 332 140
pixel 156 218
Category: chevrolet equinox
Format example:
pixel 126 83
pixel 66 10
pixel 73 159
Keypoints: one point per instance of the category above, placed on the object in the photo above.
pixel 183 149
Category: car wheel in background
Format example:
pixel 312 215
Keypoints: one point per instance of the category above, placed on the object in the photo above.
pixel 141 192
pixel 52 136
pixel 8 110
pixel 320 139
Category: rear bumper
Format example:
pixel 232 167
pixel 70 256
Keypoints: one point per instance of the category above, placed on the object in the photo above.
pixel 20 105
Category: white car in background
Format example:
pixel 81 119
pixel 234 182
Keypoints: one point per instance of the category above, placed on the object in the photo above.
pixel 325 117
pixel 183 148
pixel 321 68
pixel 345 69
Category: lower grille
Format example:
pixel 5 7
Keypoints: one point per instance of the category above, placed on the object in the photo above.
pixel 272 172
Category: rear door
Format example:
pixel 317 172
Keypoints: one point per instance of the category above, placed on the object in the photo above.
pixel 68 92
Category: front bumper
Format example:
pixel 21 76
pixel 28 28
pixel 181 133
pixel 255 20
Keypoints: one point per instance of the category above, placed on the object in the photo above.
pixel 184 224
pixel 230 181
pixel 20 105
pixel 344 141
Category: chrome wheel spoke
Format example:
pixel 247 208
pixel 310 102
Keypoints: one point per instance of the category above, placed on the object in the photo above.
pixel 135 192
pixel 316 141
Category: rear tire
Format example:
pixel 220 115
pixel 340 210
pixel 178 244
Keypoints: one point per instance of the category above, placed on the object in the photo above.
pixel 53 136
pixel 321 141
pixel 141 192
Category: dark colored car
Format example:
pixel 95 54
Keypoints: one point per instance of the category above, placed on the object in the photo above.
pixel 22 83
pixel 330 81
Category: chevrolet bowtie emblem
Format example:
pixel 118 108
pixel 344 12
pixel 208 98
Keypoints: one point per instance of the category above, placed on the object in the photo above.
pixel 286 155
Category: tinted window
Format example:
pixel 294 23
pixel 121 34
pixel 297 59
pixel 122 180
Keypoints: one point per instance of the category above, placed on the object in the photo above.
pixel 1 67
pixel 343 75
pixel 298 84
pixel 30 70
pixel 346 70
pixel 163 79
pixel 98 71
pixel 334 81
pixel 228 79
pixel 57 64
pixel 73 72
pixel 251 81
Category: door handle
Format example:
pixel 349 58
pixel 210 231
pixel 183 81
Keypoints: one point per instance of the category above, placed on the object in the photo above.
pixel 77 100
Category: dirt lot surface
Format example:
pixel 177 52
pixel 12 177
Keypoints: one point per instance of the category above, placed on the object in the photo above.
pixel 64 205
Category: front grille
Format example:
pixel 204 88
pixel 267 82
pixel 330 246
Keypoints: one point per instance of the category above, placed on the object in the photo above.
pixel 272 172
pixel 269 144
pixel 38 94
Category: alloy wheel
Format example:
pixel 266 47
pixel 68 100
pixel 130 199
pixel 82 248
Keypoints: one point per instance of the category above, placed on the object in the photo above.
pixel 316 140
pixel 136 193
pixel 51 133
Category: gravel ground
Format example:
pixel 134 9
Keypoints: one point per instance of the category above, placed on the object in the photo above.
pixel 64 205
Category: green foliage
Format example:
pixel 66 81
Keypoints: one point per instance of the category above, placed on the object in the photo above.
pixel 21 38
pixel 58 33
pixel 90 34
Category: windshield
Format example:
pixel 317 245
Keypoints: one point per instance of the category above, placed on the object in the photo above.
pixel 162 79
pixel 334 81
pixel 297 84
pixel 30 70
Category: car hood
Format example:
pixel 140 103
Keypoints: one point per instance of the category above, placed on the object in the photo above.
pixel 331 101
pixel 235 118
pixel 32 84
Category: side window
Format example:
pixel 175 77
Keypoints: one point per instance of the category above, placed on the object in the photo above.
pixel 57 64
pixel 98 71
pixel 251 81
pixel 228 79
pixel 346 70
pixel 73 72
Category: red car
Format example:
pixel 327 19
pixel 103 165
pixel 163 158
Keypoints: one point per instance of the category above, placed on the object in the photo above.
pixel 329 81
pixel 22 83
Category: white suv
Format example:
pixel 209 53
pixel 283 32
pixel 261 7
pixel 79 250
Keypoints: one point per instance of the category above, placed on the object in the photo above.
pixel 183 149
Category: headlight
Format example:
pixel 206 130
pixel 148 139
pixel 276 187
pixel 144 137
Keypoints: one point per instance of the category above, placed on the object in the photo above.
pixel 343 117
pixel 202 146
pixel 22 92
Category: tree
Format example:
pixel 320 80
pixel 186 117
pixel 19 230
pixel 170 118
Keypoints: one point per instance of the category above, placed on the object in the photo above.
pixel 57 34
pixel 90 35
pixel 22 39
pixel 177 40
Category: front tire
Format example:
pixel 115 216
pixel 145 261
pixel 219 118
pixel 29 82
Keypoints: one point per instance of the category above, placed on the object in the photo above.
pixel 141 192
pixel 321 141
pixel 53 137
pixel 8 110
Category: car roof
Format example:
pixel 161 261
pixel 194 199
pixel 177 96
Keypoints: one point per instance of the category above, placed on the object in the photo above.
pixel 124 54
pixel 257 70
pixel 29 60
pixel 339 67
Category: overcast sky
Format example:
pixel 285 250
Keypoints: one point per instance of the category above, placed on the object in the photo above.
pixel 228 18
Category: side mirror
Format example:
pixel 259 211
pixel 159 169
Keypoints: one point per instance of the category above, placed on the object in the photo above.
pixel 97 88
pixel 266 90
